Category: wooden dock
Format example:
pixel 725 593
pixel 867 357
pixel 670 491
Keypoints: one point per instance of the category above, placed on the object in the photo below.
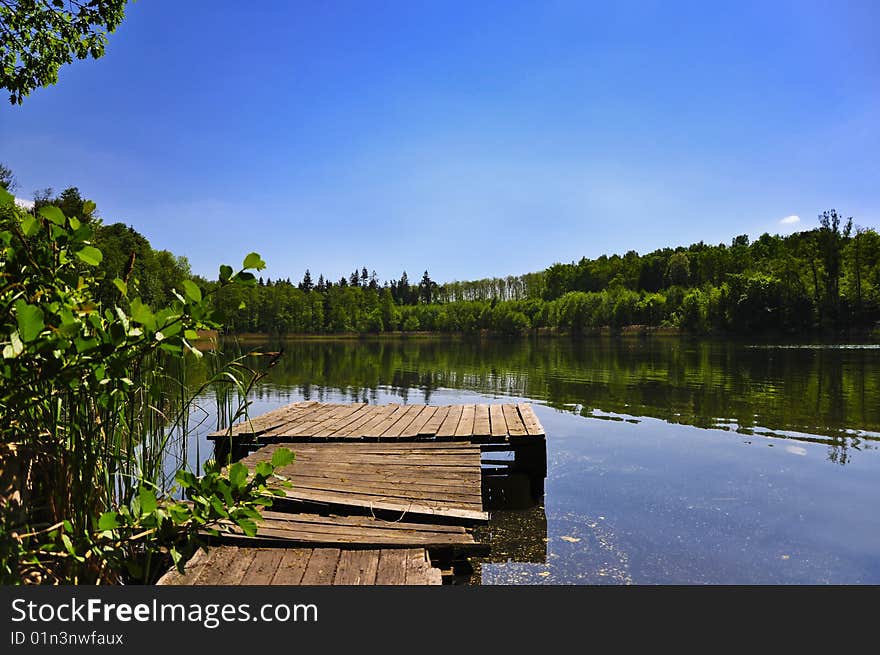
pixel 355 464
pixel 313 421
pixel 278 528
pixel 434 479
pixel 231 565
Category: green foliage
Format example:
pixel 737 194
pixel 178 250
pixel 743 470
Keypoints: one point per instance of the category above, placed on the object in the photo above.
pixel 820 278
pixel 37 37
pixel 78 388
pixel 130 537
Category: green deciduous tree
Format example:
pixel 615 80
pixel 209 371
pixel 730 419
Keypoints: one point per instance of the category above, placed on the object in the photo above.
pixel 37 37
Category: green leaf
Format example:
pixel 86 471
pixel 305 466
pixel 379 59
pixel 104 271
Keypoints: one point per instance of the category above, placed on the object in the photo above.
pixel 218 507
pixel 225 273
pixel 142 314
pixel 282 457
pixel 108 521
pixel 6 198
pixel 192 290
pixel 247 526
pixel 90 255
pixel 248 279
pixel 264 469
pixel 238 474
pixel 121 285
pixel 52 214
pixel 253 260
pixel 179 513
pixel 30 225
pixel 68 544
pixel 88 207
pixel 29 319
pixel 148 500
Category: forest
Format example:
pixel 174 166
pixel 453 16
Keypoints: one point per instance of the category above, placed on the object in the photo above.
pixel 823 279
pixel 827 278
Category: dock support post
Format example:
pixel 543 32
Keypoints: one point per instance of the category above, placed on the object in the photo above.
pixel 531 458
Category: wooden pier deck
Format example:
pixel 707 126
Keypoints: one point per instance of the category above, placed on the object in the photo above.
pixel 278 528
pixel 434 479
pixel 314 421
pixel 354 464
pixel 231 565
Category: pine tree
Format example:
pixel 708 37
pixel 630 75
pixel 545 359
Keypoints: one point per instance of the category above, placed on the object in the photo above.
pixel 355 279
pixel 306 284
pixel 403 289
pixel 425 288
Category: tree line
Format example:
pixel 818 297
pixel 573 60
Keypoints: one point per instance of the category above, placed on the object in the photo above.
pixel 825 278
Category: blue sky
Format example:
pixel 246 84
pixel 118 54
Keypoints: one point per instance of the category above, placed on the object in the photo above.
pixel 472 139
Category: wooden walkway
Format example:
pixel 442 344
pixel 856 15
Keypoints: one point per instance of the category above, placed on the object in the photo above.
pixel 231 565
pixel 313 421
pixel 433 479
pixel 279 528
pixel 357 463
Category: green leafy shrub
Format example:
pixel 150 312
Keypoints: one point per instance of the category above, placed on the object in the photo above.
pixel 79 399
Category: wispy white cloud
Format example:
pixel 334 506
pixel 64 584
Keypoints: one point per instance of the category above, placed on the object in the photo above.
pixel 790 220
pixel 26 204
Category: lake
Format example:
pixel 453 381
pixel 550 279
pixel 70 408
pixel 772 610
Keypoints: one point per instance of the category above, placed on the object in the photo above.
pixel 670 461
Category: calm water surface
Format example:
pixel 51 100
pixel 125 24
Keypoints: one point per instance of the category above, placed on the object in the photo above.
pixel 670 461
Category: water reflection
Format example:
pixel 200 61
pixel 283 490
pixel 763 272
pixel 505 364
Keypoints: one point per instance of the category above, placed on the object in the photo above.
pixel 669 461
pixel 816 394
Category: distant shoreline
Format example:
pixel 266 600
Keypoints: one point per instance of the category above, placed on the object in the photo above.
pixel 626 332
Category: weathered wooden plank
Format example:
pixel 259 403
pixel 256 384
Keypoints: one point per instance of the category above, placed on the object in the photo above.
pixel 471 486
pixel 263 567
pixel 322 566
pixel 482 424
pixel 363 418
pixel 419 570
pixel 336 420
pixel 406 417
pixel 415 428
pixel 357 567
pixel 377 429
pixel 235 571
pixel 257 424
pixel 530 420
pixel 392 567
pixel 361 521
pixel 191 570
pixel 217 566
pixel 515 427
pixel 450 423
pixel 498 422
pixel 308 424
pixel 324 535
pixel 428 507
pixel 360 412
pixel 382 414
pixel 465 426
pixel 292 566
pixel 399 493
pixel 430 428
pixel 399 459
pixel 294 419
